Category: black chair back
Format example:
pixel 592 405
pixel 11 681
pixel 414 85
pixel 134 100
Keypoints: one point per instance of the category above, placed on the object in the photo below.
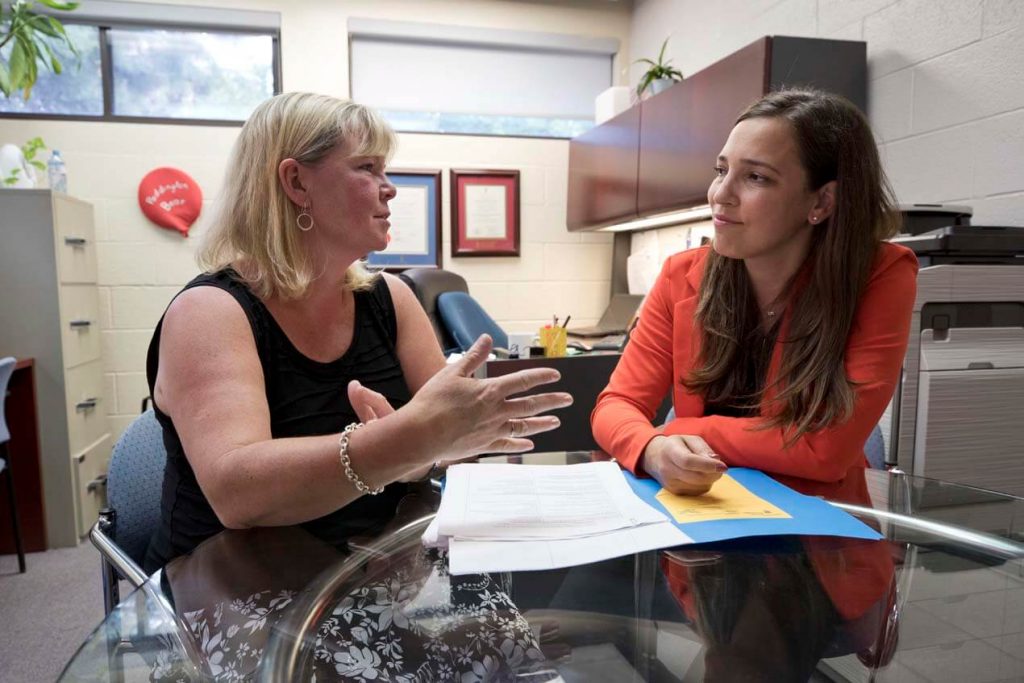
pixel 427 284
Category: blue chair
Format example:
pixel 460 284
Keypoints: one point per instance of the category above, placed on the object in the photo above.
pixel 466 320
pixel 874 449
pixel 6 370
pixel 134 485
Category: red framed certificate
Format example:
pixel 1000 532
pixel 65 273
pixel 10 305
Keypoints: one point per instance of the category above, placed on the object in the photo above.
pixel 485 213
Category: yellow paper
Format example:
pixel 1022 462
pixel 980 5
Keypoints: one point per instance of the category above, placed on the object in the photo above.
pixel 727 499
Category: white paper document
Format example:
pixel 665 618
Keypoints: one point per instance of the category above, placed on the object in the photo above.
pixel 475 557
pixel 485 212
pixel 409 233
pixel 529 517
pixel 525 502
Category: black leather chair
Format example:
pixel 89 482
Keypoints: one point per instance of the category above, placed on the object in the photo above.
pixel 6 370
pixel 429 283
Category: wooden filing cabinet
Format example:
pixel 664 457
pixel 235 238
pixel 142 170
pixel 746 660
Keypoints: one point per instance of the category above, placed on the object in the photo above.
pixel 49 309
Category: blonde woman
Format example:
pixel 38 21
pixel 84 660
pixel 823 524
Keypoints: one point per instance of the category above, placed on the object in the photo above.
pixel 264 369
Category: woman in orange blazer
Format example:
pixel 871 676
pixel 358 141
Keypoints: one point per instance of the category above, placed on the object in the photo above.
pixel 781 342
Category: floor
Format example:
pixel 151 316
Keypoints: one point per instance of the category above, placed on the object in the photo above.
pixel 47 612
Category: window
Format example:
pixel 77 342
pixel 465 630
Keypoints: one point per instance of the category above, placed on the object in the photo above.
pixel 446 79
pixel 78 91
pixel 161 64
pixel 186 74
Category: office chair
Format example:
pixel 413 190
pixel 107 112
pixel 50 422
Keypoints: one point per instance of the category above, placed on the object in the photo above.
pixel 466 320
pixel 6 370
pixel 874 449
pixel 134 482
pixel 427 284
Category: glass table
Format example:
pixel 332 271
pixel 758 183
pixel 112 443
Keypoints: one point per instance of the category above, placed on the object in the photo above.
pixel 941 598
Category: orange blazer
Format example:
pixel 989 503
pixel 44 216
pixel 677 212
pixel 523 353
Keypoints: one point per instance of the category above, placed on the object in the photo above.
pixel 666 344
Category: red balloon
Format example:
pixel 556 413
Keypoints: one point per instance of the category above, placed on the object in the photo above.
pixel 171 199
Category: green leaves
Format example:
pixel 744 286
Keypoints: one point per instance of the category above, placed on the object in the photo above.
pixel 29 36
pixel 29 150
pixel 60 6
pixel 658 69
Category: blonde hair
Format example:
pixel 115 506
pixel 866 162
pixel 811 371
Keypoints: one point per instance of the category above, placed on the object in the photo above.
pixel 255 227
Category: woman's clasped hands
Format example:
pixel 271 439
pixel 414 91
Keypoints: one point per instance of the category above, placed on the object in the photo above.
pixel 461 416
pixel 684 465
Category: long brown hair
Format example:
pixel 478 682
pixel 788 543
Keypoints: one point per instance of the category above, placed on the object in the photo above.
pixel 835 143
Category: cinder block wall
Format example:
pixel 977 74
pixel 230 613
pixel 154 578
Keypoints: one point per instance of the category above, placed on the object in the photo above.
pixel 946 83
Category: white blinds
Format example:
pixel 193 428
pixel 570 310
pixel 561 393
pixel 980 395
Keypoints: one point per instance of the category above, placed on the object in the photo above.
pixel 423 68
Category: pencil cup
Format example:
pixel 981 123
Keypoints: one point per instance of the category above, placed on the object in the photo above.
pixel 553 340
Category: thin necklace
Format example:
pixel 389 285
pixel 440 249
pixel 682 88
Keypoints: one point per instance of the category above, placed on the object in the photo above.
pixel 777 304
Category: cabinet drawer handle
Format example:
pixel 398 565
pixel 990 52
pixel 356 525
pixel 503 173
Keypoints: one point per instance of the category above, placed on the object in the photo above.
pixel 80 323
pixel 100 481
pixel 75 241
pixel 86 404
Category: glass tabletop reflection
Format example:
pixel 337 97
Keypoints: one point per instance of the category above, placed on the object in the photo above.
pixel 940 598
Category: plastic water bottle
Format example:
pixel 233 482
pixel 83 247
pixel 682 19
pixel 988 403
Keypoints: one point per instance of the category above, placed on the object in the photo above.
pixel 57 172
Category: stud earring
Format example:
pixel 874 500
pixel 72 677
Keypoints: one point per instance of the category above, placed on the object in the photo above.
pixel 305 219
pixel 814 219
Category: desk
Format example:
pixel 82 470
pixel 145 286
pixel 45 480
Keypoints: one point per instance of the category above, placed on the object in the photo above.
pixel 584 376
pixel 276 604
pixel 23 423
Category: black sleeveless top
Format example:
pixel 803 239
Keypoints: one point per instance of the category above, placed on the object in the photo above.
pixel 305 397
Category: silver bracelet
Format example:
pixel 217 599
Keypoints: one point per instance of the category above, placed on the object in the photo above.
pixel 360 485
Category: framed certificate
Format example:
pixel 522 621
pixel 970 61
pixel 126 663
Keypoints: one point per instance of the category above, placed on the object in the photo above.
pixel 415 235
pixel 485 213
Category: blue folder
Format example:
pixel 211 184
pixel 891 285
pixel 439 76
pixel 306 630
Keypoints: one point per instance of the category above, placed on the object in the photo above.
pixel 809 516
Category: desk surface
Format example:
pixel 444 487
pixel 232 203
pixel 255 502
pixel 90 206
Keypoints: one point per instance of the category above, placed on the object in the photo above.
pixel 941 599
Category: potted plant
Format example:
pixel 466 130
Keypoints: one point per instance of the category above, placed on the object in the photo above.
pixel 660 74
pixel 29 34
pixel 18 164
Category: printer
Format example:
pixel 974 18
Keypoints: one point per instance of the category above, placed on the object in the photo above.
pixel 958 411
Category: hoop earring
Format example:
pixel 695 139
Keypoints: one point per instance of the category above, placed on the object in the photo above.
pixel 305 214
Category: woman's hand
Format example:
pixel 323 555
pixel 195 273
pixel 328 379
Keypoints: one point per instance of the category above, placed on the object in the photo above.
pixel 684 465
pixel 462 416
pixel 369 405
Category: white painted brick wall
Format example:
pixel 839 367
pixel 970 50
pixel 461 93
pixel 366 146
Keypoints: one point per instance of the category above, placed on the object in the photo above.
pixel 932 167
pixel 835 14
pixel 999 155
pixel 911 31
pixel 978 81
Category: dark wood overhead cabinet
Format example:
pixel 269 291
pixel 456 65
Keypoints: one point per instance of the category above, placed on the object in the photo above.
pixel 679 132
pixel 602 172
